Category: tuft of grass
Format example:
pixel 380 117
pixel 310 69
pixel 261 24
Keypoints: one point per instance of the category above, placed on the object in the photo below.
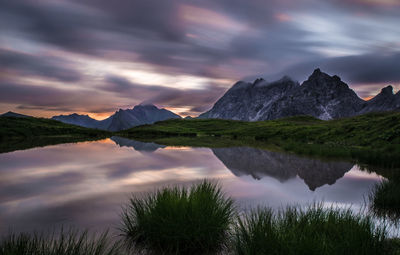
pixel 385 199
pixel 65 243
pixel 308 231
pixel 176 220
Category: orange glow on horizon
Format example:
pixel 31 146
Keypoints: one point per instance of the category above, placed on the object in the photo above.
pixel 99 116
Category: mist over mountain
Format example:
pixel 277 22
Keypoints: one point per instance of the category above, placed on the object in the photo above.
pixel 321 95
pixel 121 119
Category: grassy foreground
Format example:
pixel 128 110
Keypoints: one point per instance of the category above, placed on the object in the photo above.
pixel 371 139
pixel 308 231
pixel 24 133
pixel 65 243
pixel 202 220
pixel 179 221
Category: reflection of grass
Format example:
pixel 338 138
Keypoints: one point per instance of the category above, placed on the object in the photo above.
pixel 312 231
pixel 371 138
pixel 385 199
pixel 32 142
pixel 66 243
pixel 179 221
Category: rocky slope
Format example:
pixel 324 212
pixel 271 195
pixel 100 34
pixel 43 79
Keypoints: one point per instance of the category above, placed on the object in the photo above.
pixel 384 101
pixel 321 95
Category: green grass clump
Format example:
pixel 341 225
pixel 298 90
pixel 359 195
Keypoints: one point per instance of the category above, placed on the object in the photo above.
pixel 179 220
pixel 308 231
pixel 385 199
pixel 66 243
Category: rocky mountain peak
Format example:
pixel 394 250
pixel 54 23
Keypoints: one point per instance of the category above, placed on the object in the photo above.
pixel 317 71
pixel 321 96
pixel 388 90
pixel 258 80
pixel 319 75
pixel 323 82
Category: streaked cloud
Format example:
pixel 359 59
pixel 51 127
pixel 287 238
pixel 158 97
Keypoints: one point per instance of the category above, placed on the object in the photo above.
pixel 94 56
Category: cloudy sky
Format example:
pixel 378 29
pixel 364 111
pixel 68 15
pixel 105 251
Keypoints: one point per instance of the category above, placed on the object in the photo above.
pixel 96 56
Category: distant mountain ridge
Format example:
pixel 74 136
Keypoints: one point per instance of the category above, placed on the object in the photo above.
pixel 77 119
pixel 121 119
pixel 14 114
pixel 321 95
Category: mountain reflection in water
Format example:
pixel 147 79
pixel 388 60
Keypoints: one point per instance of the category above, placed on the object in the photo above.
pixel 260 163
pixel 136 145
pixel 85 184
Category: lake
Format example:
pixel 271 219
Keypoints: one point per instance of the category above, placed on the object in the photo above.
pixel 85 184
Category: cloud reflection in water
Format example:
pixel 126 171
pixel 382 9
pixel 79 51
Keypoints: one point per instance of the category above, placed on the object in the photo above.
pixel 85 184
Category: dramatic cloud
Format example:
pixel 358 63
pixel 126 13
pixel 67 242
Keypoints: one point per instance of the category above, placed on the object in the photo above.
pixel 30 65
pixel 359 69
pixel 195 100
pixel 99 55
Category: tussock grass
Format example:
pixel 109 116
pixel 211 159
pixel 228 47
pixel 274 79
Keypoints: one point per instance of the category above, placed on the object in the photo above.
pixel 308 231
pixel 179 221
pixel 385 199
pixel 65 243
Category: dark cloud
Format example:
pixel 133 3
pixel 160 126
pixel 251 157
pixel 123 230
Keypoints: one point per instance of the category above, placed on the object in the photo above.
pixel 361 69
pixel 44 66
pixel 165 96
pixel 53 99
pixel 226 39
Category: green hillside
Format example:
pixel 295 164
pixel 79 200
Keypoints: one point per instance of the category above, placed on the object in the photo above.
pixel 369 138
pixel 24 133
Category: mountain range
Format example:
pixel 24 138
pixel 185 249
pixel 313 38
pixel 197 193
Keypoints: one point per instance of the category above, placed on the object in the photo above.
pixel 121 119
pixel 321 95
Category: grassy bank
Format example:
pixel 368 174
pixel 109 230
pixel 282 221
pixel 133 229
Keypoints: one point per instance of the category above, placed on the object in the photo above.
pixel 308 231
pixel 370 139
pixel 24 133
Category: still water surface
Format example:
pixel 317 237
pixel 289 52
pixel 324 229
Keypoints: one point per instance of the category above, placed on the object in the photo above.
pixel 85 184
